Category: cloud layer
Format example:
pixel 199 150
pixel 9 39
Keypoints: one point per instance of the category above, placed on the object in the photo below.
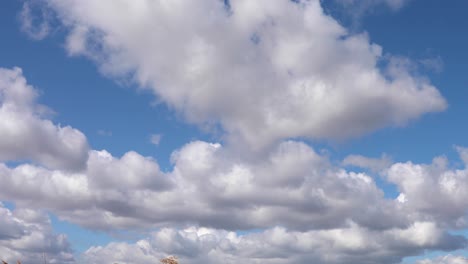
pixel 267 74
pixel 262 71
pixel 27 235
pixel 307 207
pixel 351 245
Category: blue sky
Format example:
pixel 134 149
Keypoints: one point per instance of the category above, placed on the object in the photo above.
pixel 239 125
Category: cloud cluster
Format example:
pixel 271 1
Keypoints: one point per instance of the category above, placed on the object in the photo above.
pixel 352 245
pixel 308 207
pixel 266 73
pixel 262 70
pixel 106 187
pixel 293 186
pixel 27 235
pixel 25 134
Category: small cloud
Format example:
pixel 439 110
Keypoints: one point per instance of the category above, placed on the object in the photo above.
pixel 104 133
pixel 463 153
pixel 373 164
pixel 368 5
pixel 435 64
pixel 35 20
pixel 155 139
pixel 356 10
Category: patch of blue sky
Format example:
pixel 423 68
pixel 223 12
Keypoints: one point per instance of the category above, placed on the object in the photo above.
pixel 9 205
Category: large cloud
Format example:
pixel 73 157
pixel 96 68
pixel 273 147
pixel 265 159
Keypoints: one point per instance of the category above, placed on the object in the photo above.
pixel 291 192
pixel 292 186
pixel 26 135
pixel 262 70
pixel 350 245
pixel 308 208
pixel 27 235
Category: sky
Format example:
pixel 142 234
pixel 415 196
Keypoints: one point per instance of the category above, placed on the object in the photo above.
pixel 234 131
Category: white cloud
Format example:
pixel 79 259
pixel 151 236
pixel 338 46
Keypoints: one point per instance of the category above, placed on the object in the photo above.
pixel 26 135
pixel 107 187
pixel 308 209
pixel 351 245
pixel 292 186
pixel 435 190
pixel 27 234
pixel 263 71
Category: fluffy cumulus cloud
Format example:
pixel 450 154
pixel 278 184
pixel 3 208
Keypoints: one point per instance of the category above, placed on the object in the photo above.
pixel 307 208
pixel 27 235
pixel 433 189
pixel 292 186
pixel 25 134
pixel 351 245
pixel 106 188
pixel 261 71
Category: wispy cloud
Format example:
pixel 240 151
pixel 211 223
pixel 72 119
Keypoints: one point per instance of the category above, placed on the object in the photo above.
pixel 35 20
pixel 155 139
